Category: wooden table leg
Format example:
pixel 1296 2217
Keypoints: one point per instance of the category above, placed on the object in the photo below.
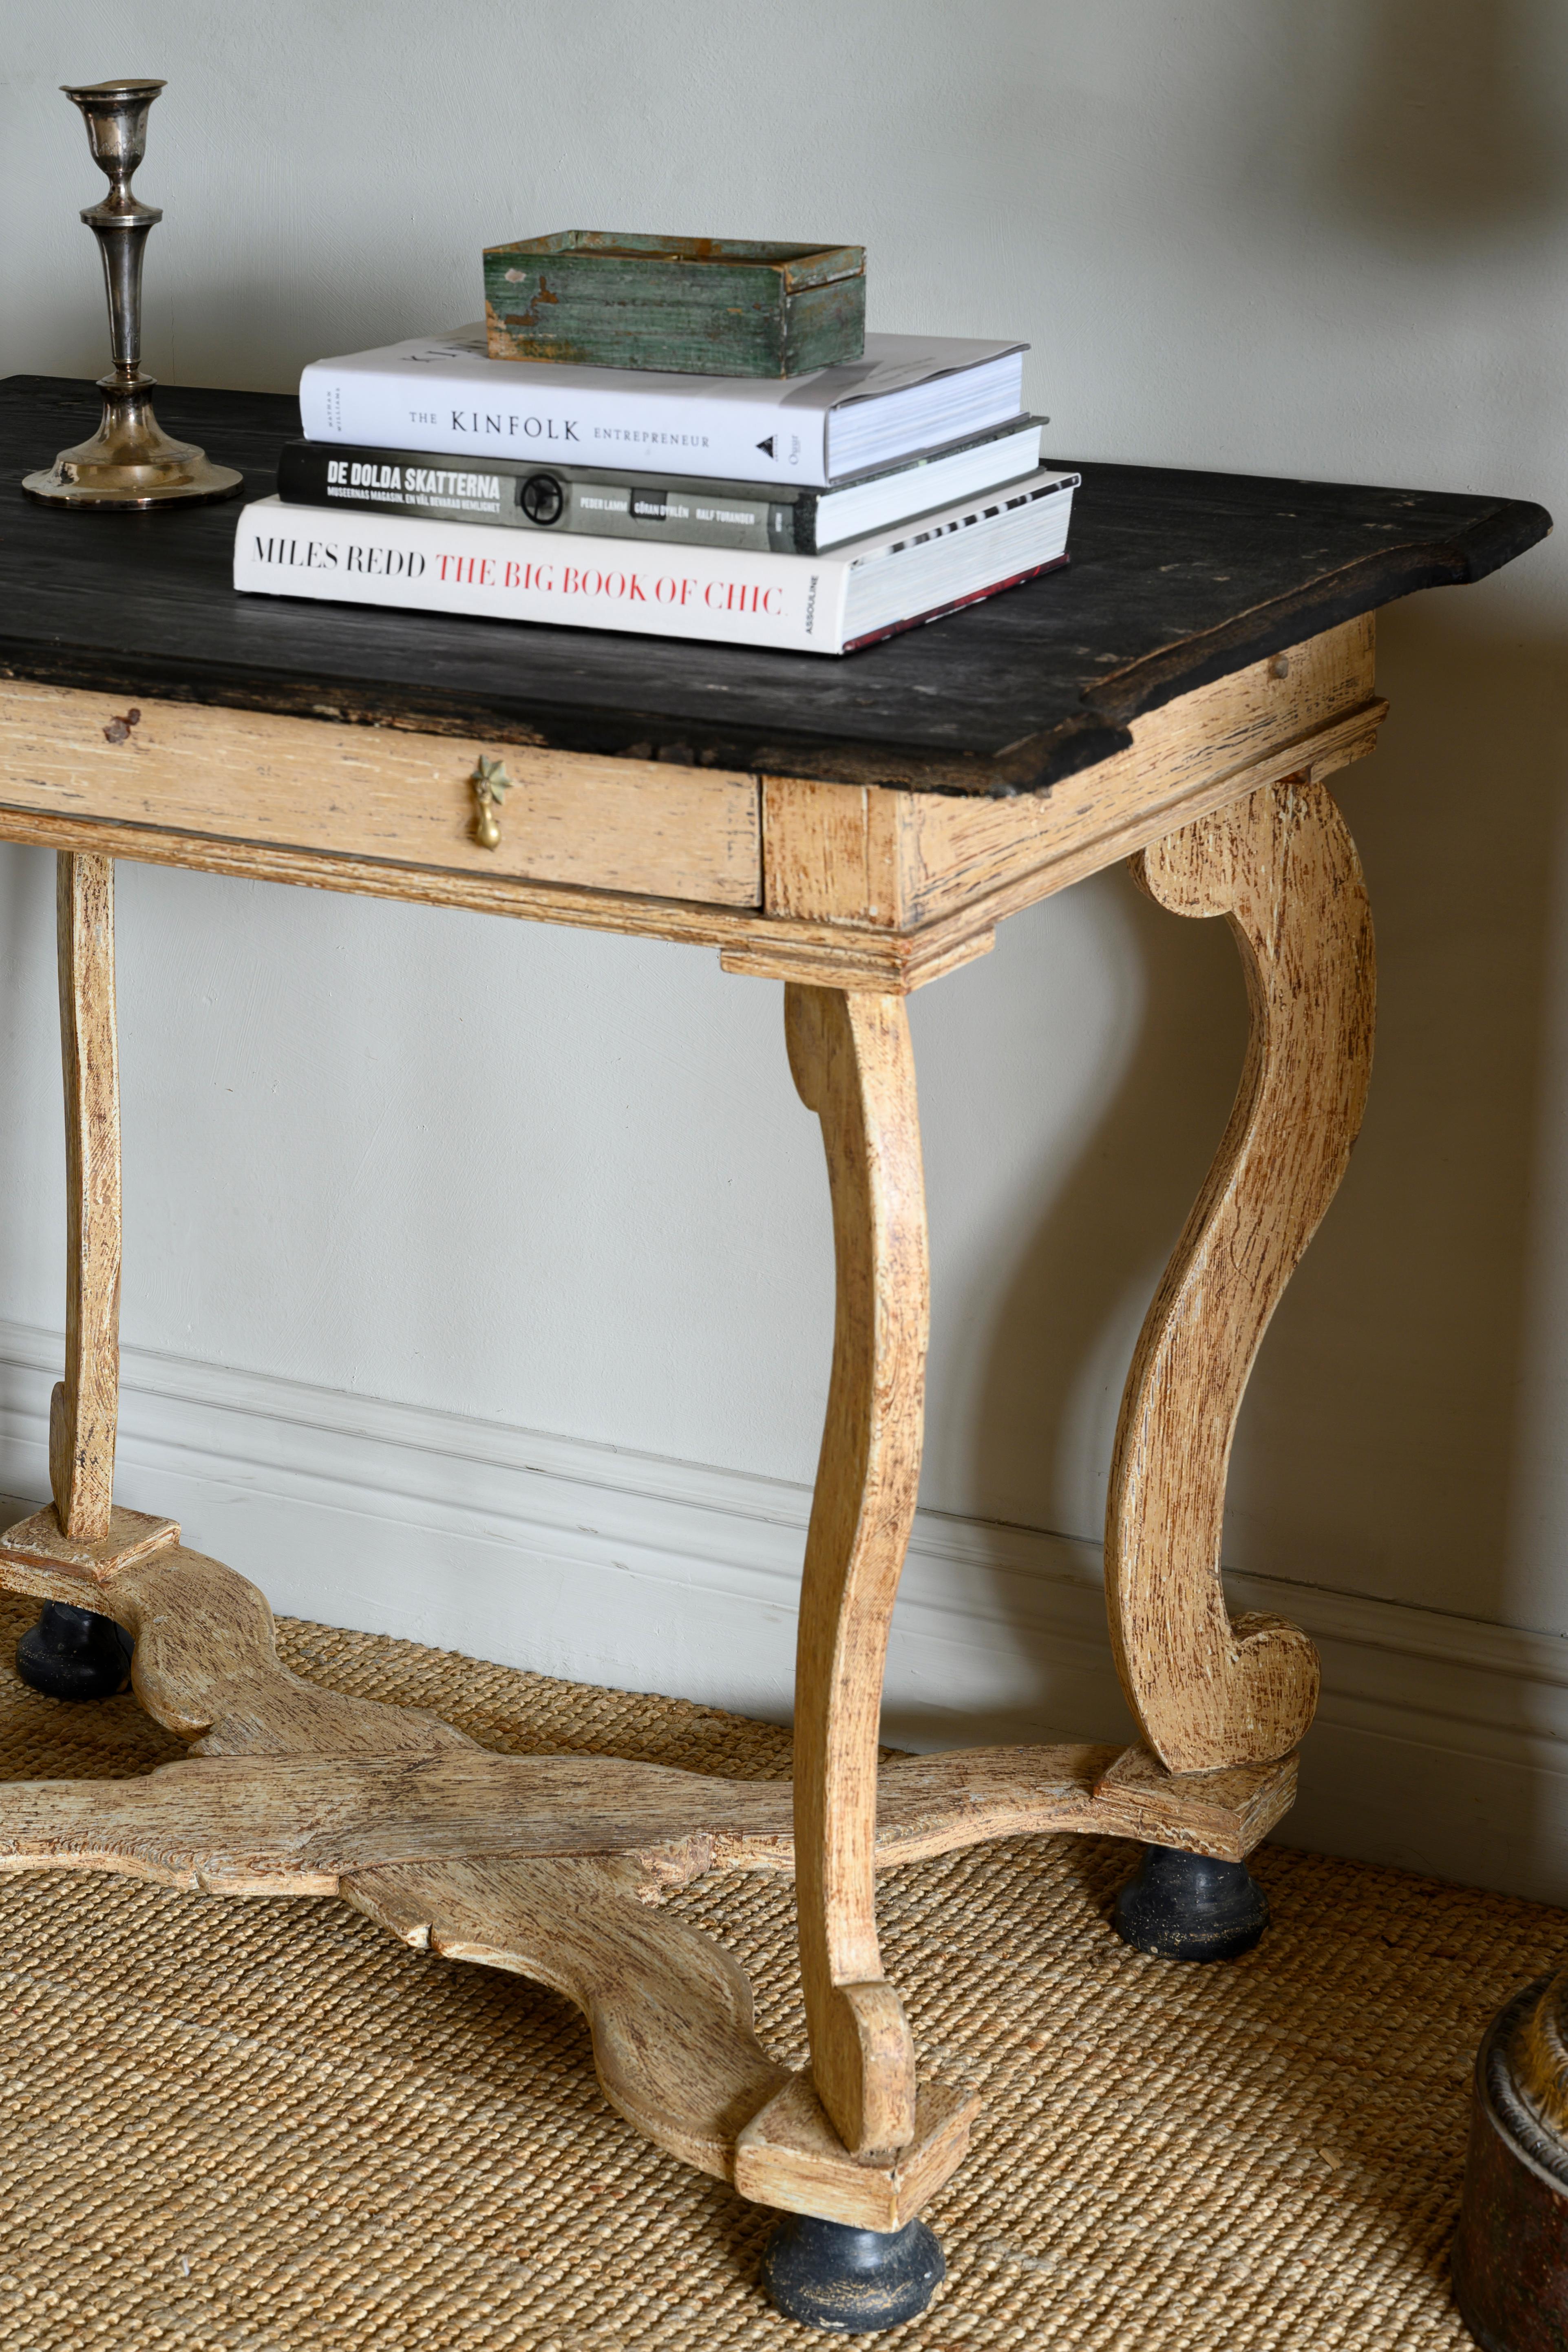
pixel 85 1407
pixel 1208 1691
pixel 75 1653
pixel 853 1064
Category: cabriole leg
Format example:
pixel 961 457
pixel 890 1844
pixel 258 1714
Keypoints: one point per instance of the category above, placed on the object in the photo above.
pixel 1209 1691
pixel 74 1653
pixel 854 1065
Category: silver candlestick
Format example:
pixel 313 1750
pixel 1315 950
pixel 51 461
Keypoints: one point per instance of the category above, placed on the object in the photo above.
pixel 129 460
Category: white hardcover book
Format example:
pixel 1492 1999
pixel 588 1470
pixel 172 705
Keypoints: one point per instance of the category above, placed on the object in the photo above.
pixel 444 393
pixel 810 604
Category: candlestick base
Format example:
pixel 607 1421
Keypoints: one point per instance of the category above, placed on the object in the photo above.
pixel 131 462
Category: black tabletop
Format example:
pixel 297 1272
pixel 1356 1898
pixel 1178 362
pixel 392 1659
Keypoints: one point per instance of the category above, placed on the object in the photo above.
pixel 1175 578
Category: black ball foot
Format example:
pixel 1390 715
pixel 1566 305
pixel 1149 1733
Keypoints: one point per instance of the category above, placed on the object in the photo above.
pixel 1187 1906
pixel 74 1654
pixel 852 2281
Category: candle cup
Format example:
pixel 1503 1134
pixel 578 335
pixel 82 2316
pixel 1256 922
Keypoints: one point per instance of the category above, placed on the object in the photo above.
pixel 130 462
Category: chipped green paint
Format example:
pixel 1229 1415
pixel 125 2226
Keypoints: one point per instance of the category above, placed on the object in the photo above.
pixel 689 305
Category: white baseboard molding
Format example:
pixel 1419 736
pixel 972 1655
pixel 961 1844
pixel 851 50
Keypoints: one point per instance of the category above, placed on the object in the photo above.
pixel 1441 1744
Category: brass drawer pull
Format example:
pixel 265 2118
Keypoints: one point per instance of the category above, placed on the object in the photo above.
pixel 488 783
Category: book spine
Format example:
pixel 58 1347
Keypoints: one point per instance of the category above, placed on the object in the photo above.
pixel 725 595
pixel 649 432
pixel 954 604
pixel 516 496
pixel 392 481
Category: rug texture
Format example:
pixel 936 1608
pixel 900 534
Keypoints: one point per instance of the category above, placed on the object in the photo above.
pixel 266 2125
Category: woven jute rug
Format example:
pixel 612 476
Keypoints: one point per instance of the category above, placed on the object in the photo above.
pixel 256 2124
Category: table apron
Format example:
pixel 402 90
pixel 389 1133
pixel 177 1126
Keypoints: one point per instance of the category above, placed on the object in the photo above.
pixel 865 889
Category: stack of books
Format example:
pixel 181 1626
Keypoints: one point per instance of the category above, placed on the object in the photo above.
pixel 815 513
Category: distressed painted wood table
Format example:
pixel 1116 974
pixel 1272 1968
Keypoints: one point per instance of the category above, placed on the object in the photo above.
pixel 1178 698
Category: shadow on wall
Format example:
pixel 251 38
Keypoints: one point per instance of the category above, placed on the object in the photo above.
pixel 1447 139
pixel 1379 1448
pixel 1071 1301
pixel 1077 1293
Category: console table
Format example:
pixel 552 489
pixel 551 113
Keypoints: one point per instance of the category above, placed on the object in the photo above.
pixel 1177 698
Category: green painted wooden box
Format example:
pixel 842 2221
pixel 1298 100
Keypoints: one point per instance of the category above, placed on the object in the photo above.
pixel 692 305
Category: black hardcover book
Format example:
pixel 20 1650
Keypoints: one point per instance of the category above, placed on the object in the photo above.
pixel 520 494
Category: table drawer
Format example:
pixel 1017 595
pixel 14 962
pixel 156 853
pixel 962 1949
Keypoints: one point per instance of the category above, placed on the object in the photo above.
pixel 376 792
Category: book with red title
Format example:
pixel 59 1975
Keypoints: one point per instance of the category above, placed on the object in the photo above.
pixel 832 603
